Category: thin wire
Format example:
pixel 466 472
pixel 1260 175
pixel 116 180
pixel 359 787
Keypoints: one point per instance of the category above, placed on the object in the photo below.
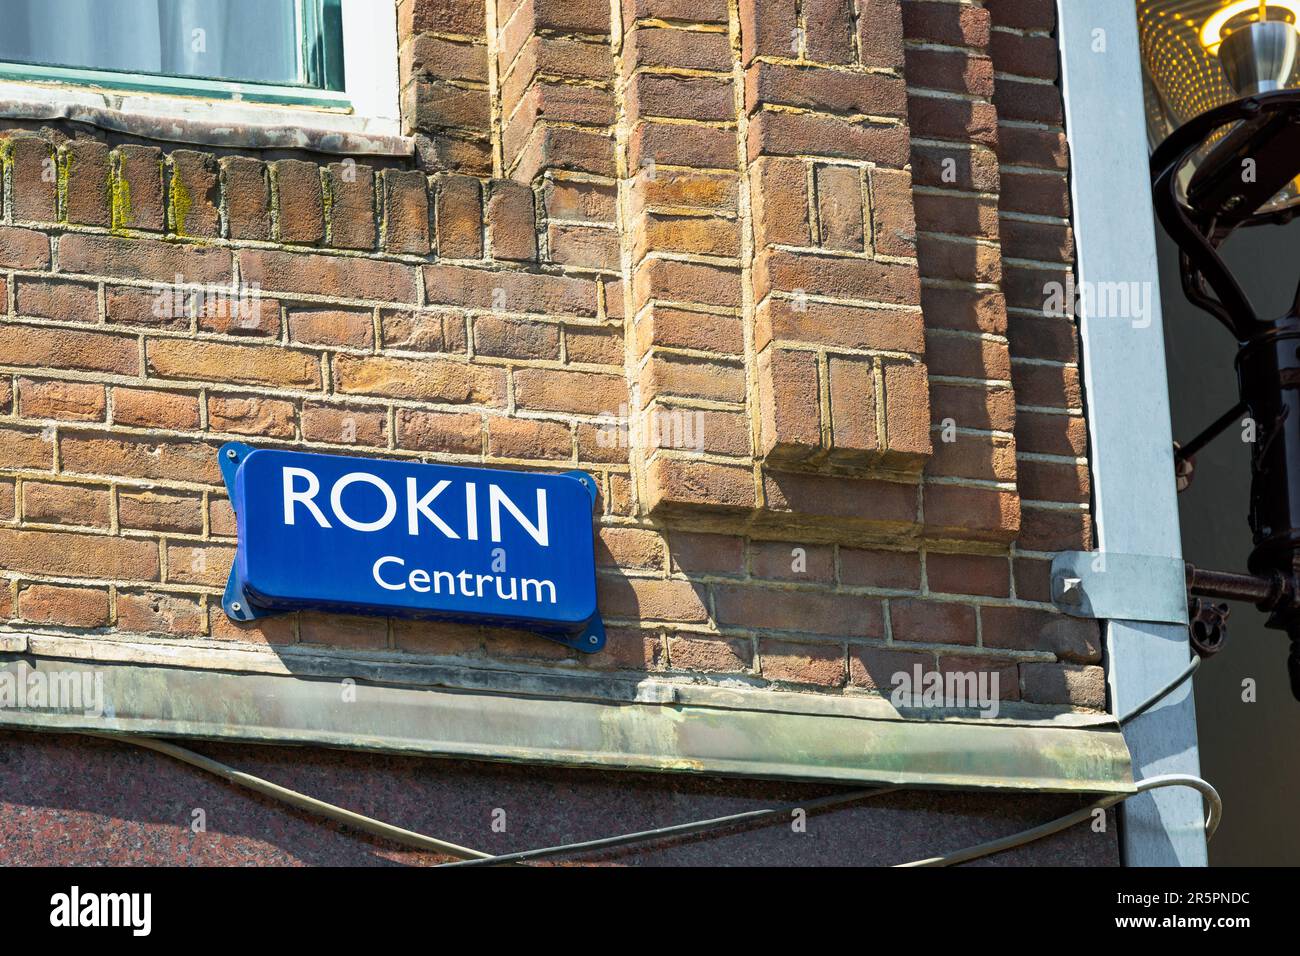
pixel 1078 816
pixel 1155 698
pixel 471 857
pixel 300 800
pixel 681 829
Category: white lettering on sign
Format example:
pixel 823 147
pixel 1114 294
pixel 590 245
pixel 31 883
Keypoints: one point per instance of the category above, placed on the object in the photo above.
pixel 301 487
pixel 464 584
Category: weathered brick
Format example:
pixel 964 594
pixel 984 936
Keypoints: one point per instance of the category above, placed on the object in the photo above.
pixel 246 187
pixel 35 347
pixel 194 194
pixel 75 555
pixel 85 505
pixel 160 511
pixel 406 212
pixel 154 612
pixel 349 327
pixel 220 362
pixel 421 379
pixel 57 604
pixel 344 276
pixel 785 661
pixel 251 416
pixel 33 174
pixel 23 248
pixel 146 408
pixel 87 167
pixel 148 259
pixel 300 202
pixel 352 222
pixel 67 401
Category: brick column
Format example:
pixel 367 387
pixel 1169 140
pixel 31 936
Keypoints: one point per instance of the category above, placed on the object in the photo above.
pixel 444 79
pixel 554 82
pixel 682 254
pixel 970 482
pixel 837 321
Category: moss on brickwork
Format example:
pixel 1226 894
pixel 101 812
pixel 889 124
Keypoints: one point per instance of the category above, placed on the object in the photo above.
pixel 179 203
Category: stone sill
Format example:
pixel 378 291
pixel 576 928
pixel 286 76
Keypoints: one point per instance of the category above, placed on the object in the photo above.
pixel 163 689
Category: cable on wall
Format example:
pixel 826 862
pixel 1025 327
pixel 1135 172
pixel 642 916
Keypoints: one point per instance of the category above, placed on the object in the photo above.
pixel 471 857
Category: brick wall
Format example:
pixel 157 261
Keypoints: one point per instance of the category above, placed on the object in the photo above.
pixel 801 246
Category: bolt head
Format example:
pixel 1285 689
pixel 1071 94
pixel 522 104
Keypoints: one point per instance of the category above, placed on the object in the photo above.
pixel 230 453
pixel 236 606
pixel 1069 590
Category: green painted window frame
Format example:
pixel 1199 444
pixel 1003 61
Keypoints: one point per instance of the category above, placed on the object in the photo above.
pixel 321 38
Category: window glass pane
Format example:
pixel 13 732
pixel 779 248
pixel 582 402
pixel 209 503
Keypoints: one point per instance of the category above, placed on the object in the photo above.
pixel 255 41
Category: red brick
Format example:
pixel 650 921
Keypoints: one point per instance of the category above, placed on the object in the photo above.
pixel 406 212
pixel 584 393
pixel 87 351
pixel 144 457
pixel 512 338
pixel 33 178
pixel 802 663
pixel 195 194
pixel 421 379
pixel 85 505
pixel 874 667
pixel 67 401
pixel 968 574
pixel 529 439
pixel 148 259
pixel 1025 629
pixel 74 555
pixel 314 274
pixel 509 291
pixel 160 511
pixel 23 248
pixel 219 362
pixel 26 448
pixel 815 612
pixel 138 196
pixel 345 425
pixel 55 604
pixel 447 433
pixel 251 416
pixel 1048 683
pixel 198 564
pixel 348 327
pixel 459 212
pixel 88 171
pixel 246 186
pixel 154 612
pixel 145 408
pixel 656 599
pixel 352 222
pixel 931 622
pixel 702 653
pixel 301 199
pixel 511 225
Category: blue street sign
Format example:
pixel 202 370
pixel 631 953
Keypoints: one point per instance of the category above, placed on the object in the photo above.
pixel 405 539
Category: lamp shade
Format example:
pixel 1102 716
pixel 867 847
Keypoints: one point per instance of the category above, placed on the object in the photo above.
pixel 1199 54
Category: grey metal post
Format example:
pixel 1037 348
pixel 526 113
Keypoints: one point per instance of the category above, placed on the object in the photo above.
pixel 1128 409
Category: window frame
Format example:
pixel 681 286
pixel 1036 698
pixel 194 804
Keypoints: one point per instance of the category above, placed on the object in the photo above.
pixel 362 117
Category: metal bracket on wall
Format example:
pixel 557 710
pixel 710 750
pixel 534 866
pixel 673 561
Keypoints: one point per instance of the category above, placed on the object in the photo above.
pixel 1124 587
